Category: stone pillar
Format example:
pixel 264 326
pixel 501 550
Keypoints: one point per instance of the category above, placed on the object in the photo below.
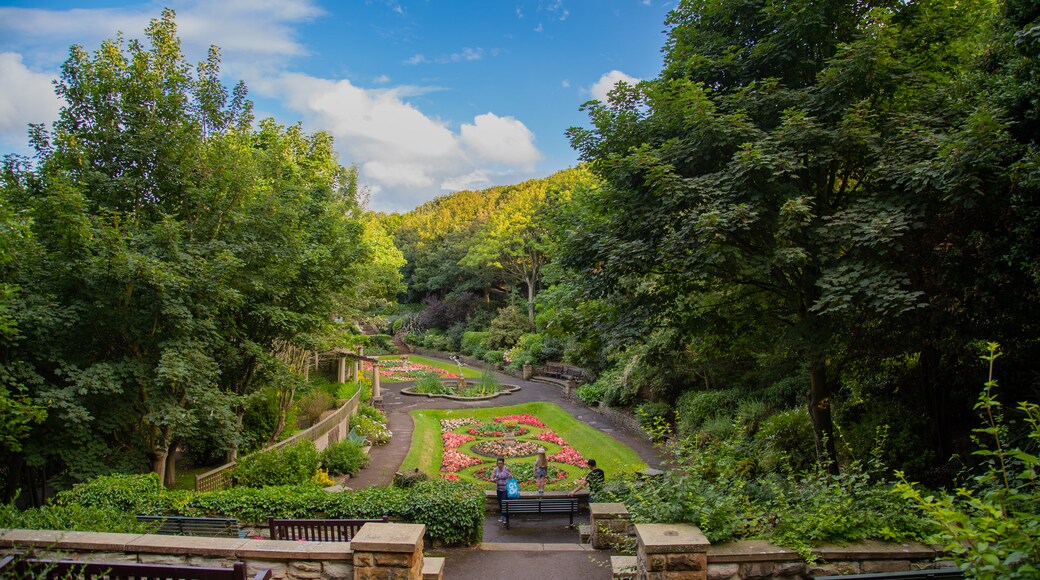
pixel 528 372
pixel 388 551
pixel 609 523
pixel 377 394
pixel 357 365
pixel 341 369
pixel 667 551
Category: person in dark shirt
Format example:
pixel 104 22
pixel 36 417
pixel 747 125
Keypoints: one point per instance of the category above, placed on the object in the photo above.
pixel 594 479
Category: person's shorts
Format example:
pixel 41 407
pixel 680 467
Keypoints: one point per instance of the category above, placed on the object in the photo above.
pixel 541 471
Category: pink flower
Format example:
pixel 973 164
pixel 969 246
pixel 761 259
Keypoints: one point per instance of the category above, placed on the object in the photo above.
pixel 451 477
pixel 524 419
pixel 454 460
pixel 551 437
pixel 454 441
pixel 568 455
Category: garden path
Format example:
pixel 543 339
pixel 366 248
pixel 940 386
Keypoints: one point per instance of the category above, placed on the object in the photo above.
pixel 386 460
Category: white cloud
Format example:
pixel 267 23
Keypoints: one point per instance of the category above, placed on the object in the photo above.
pixel 606 83
pixel 565 84
pixel 538 28
pixel 474 180
pixel 402 153
pixel 465 55
pixel 417 59
pixel 381 80
pixel 27 97
pixel 500 140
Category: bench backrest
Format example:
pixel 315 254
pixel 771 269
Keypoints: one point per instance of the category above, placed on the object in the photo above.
pixel 318 530
pixel 552 502
pixel 55 569
pixel 185 526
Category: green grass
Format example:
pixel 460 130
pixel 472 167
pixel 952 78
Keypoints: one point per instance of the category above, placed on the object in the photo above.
pixel 448 366
pixel 611 455
pixel 185 476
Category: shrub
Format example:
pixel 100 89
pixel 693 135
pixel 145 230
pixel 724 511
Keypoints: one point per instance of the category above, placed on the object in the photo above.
pixel 344 457
pixel 260 418
pixel 347 390
pixel 474 343
pixel 614 390
pixel 494 357
pixel 507 327
pixel 409 478
pixel 135 494
pixel 888 430
pixel 314 404
pixel 590 394
pixel 655 419
pixel 72 517
pixel 291 465
pixel 695 407
pixel 376 432
pixel 786 442
pixel 430 384
pixel 751 413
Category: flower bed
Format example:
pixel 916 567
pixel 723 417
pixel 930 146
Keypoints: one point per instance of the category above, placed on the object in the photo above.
pixel 500 448
pixel 524 419
pixel 453 424
pixel 551 437
pixel 397 369
pixel 494 430
pixel 454 440
pixel 454 461
pixel 524 473
pixel 568 455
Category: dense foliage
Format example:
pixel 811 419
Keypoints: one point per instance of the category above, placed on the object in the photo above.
pixel 452 512
pixel 174 259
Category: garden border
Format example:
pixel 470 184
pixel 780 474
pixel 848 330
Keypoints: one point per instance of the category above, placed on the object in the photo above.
pixel 503 390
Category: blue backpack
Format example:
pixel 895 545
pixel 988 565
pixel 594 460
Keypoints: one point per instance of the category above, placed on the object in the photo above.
pixel 512 488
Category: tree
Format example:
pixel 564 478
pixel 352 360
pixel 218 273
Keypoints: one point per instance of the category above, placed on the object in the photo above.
pixel 179 252
pixel 760 166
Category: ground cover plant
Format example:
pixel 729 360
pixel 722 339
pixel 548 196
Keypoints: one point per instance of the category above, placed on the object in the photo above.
pixel 444 440
pixel 400 369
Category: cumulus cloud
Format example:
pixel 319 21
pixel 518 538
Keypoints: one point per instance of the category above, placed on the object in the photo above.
pixel 465 55
pixel 500 140
pixel 606 83
pixel 405 156
pixel 27 97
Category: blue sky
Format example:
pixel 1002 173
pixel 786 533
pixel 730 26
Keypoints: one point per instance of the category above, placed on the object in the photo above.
pixel 425 96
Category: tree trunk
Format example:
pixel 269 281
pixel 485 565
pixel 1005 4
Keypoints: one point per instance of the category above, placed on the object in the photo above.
pixel 820 412
pixel 530 299
pixel 170 477
pixel 159 464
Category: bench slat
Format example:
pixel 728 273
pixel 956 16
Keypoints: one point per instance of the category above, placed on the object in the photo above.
pixel 318 530
pixel 188 526
pixel 545 505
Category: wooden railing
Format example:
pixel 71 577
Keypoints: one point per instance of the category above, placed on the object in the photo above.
pixel 220 477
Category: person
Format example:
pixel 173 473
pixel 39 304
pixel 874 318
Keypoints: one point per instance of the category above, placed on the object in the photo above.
pixel 501 475
pixel 594 479
pixel 541 470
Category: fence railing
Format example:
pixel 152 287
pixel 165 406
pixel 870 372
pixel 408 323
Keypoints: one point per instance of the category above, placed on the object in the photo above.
pixel 220 477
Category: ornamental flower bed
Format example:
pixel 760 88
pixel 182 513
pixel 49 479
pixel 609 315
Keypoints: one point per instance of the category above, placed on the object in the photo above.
pixel 453 424
pixel 454 461
pixel 493 430
pixel 499 448
pixel 454 440
pixel 524 419
pixel 524 473
pixel 399 369
pixel 551 437
pixel 568 455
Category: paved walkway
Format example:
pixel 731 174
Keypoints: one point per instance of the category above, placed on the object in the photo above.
pixel 386 460
pixel 533 546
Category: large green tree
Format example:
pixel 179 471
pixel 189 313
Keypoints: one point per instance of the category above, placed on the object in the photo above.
pixel 179 249
pixel 777 161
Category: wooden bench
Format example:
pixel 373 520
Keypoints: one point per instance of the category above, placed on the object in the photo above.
pixel 540 505
pixel 561 371
pixel 185 526
pixel 21 567
pixel 318 530
pixel 933 574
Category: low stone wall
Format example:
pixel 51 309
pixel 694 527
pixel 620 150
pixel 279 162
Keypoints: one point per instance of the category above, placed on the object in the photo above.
pixel 286 560
pixel 759 559
pixel 621 420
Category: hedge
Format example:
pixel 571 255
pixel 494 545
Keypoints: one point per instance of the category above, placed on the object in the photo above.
pixel 453 512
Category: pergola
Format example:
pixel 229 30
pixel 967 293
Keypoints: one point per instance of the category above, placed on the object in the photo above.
pixel 342 354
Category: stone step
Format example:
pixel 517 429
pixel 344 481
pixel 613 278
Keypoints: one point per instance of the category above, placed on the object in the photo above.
pixel 432 568
pixel 623 567
pixel 585 532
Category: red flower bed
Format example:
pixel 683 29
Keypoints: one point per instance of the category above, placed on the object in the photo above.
pixel 455 460
pixel 454 440
pixel 551 437
pixel 525 419
pixel 568 455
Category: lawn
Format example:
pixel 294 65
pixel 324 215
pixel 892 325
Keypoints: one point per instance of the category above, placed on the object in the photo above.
pixel 400 369
pixel 427 450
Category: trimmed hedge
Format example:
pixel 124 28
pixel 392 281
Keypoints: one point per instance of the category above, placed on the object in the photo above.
pixel 453 512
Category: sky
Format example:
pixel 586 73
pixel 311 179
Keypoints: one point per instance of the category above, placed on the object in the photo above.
pixel 425 97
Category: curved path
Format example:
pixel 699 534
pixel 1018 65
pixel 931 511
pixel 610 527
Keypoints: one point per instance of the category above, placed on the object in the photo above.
pixel 386 460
